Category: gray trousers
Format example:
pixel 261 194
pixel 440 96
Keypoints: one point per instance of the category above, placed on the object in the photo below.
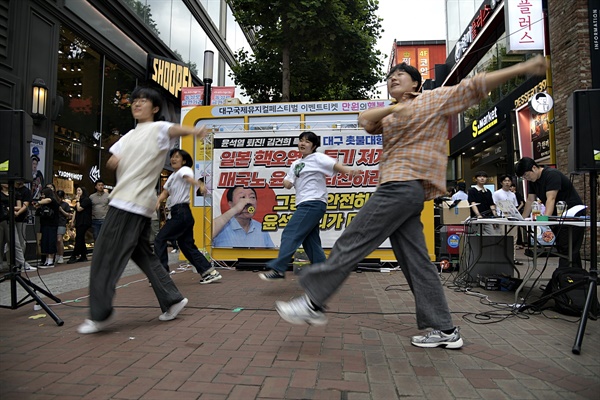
pixel 393 211
pixel 5 240
pixel 125 236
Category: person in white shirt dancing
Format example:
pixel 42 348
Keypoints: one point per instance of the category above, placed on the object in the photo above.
pixel 138 158
pixel 180 227
pixel 307 175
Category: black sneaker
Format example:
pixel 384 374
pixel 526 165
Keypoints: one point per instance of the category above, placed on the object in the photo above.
pixel 272 275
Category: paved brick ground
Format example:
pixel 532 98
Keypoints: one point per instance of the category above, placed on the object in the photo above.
pixel 229 343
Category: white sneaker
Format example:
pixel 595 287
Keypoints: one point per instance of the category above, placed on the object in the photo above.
pixel 29 267
pixel 90 326
pixel 298 311
pixel 437 338
pixel 174 251
pixel 173 311
pixel 60 260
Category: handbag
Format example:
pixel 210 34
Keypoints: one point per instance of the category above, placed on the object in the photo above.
pixel 45 212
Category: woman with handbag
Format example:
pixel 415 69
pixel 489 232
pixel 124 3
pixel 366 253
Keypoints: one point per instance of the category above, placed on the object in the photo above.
pixel 83 222
pixel 47 210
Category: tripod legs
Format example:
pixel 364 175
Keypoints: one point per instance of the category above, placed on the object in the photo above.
pixel 31 288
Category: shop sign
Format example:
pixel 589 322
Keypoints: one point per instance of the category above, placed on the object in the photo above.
pixel 70 175
pixel 524 20
pixel 539 88
pixel 476 26
pixel 169 74
pixel 488 121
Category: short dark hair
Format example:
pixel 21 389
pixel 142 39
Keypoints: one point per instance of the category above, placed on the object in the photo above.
pixel 60 194
pixel 99 181
pixel 145 92
pixel 481 173
pixel 187 158
pixel 461 186
pixel 414 73
pixel 311 137
pixel 48 193
pixel 524 165
pixel 504 176
pixel 231 190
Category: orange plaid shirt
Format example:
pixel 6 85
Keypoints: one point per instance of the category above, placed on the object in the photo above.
pixel 414 148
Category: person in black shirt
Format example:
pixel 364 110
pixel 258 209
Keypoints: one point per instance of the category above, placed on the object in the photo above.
pixel 551 186
pixel 22 201
pixel 83 222
pixel 64 216
pixel 47 209
pixel 482 203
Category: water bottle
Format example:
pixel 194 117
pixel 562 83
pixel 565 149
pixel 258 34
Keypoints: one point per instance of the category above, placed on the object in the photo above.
pixel 536 210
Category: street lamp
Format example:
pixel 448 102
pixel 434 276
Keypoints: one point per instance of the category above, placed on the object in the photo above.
pixel 40 95
pixel 209 57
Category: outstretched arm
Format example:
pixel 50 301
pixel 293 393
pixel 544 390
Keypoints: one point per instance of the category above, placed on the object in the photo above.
pixel 176 131
pixel 534 66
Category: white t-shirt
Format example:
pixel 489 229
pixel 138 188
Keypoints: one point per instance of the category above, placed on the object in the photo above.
pixel 460 195
pixel 308 177
pixel 178 188
pixel 502 194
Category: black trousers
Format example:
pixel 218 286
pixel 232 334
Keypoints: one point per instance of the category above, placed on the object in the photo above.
pixel 80 250
pixel 180 227
pixel 125 236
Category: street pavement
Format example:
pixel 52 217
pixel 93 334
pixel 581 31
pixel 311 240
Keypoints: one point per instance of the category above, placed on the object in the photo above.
pixel 229 343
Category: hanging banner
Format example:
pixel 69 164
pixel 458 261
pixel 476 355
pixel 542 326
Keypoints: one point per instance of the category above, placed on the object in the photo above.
pixel 251 166
pixel 37 153
pixel 524 25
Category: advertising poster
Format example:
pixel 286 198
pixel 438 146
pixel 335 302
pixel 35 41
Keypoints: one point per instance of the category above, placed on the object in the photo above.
pixel 253 165
pixel 37 153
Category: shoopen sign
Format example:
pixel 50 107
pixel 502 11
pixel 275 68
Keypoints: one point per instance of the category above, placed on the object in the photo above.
pixel 169 74
pixel 486 122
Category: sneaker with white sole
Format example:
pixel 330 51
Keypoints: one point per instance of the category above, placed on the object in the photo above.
pixel 60 260
pixel 29 267
pixel 173 311
pixel 299 312
pixel 46 265
pixel 437 338
pixel 271 275
pixel 90 326
pixel 212 276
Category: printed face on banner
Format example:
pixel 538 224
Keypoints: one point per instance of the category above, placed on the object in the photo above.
pixel 248 174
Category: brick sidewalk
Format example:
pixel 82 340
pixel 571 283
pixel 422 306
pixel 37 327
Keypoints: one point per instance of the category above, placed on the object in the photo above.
pixel 229 343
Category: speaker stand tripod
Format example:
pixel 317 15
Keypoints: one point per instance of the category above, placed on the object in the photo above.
pixel 15 274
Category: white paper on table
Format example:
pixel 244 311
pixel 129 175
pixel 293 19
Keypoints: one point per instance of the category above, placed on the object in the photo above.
pixel 574 210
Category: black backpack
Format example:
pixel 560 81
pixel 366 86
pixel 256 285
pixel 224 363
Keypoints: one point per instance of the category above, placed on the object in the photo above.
pixel 570 302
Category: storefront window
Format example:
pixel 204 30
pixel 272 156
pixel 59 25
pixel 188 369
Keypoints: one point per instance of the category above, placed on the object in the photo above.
pixel 495 59
pixel 79 86
pixel 95 114
pixel 116 111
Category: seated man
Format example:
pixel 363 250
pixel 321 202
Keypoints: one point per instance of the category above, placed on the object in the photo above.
pixel 552 186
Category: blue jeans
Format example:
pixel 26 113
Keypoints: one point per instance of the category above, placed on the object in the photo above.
pixel 181 228
pixel 96 225
pixel 393 211
pixel 302 229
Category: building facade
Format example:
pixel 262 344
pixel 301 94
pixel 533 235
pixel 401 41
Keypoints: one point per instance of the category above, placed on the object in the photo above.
pixel 90 55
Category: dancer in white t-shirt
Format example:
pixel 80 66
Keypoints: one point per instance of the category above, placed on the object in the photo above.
pixel 308 176
pixel 180 226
